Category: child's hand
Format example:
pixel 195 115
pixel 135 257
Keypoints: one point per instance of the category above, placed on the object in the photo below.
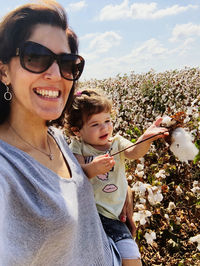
pixel 103 164
pixel 155 129
pixel 144 142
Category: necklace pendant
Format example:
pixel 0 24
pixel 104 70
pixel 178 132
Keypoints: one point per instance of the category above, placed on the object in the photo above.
pixel 51 156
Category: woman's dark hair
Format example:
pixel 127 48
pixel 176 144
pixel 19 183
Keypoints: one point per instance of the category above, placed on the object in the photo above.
pixel 17 26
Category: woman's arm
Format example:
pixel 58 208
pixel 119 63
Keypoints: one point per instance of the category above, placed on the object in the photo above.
pixel 100 165
pixel 126 215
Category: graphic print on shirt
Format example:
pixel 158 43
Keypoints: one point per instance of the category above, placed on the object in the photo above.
pixel 108 188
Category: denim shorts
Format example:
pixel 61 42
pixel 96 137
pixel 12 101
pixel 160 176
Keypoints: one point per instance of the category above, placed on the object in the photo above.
pixel 115 229
pixel 121 236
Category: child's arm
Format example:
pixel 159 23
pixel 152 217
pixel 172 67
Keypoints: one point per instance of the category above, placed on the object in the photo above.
pixel 140 150
pixel 100 165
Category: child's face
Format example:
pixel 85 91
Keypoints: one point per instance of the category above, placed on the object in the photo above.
pixel 97 130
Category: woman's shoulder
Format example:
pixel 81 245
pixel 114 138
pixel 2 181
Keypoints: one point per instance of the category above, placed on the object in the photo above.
pixel 55 131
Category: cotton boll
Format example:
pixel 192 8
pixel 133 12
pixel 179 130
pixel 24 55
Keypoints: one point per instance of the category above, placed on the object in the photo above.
pixel 182 146
pixel 150 237
pixel 179 191
pixel 161 174
pixel 139 173
pixel 154 195
pixel 196 239
pixel 171 206
pixel 196 188
pixel 168 121
pixel 141 216
pixel 139 167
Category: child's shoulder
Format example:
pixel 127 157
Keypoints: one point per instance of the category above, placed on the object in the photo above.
pixel 120 140
pixel 118 137
pixel 75 142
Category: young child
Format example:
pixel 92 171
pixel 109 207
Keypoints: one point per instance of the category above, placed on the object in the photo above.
pixel 90 120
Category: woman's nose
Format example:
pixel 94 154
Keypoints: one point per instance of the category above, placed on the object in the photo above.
pixel 53 72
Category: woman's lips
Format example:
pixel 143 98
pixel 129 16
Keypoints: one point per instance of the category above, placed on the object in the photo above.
pixel 47 93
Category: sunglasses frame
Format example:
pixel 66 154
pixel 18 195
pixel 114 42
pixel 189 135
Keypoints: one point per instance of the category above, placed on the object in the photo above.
pixel 20 51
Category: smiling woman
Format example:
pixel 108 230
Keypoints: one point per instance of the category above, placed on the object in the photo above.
pixel 48 215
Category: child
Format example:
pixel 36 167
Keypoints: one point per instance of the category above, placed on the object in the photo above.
pixel 90 120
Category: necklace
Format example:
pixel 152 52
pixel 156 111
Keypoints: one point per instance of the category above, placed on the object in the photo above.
pixel 50 155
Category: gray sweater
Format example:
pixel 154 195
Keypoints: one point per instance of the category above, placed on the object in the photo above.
pixel 46 220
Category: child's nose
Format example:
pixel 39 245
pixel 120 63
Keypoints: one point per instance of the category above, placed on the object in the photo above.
pixel 104 125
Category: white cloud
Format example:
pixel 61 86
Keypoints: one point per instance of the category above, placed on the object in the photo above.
pixel 142 57
pixel 140 11
pixel 183 47
pixel 88 36
pixel 151 54
pixel 184 31
pixel 76 6
pixel 149 48
pixel 104 42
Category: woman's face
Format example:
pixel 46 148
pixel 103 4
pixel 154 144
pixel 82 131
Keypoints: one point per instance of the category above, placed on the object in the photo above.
pixel 41 95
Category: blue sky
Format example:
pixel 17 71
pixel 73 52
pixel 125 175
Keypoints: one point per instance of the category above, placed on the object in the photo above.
pixel 121 36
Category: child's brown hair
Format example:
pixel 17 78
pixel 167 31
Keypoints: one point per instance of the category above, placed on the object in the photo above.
pixel 85 104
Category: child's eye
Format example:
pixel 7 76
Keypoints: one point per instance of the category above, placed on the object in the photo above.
pixel 107 121
pixel 94 125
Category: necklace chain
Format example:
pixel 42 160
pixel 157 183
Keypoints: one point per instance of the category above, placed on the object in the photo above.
pixel 50 155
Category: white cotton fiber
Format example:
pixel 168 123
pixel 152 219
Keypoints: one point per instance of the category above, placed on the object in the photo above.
pixel 168 121
pixel 182 146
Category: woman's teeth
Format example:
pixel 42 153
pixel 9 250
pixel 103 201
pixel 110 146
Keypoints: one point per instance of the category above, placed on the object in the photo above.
pixel 47 93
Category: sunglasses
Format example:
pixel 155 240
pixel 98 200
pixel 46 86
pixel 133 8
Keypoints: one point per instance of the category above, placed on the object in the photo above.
pixel 37 58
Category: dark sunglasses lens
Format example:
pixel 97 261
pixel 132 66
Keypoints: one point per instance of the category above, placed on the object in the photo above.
pixel 36 58
pixel 71 66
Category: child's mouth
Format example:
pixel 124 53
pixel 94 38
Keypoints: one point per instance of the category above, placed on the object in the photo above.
pixel 104 136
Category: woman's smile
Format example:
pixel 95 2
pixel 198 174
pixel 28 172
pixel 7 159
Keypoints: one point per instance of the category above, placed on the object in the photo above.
pixel 48 93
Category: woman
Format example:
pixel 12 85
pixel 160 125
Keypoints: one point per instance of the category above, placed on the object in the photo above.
pixel 48 215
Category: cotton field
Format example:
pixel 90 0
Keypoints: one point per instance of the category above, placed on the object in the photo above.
pixel 165 184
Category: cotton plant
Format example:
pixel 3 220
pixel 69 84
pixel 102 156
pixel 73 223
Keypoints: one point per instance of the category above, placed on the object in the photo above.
pixel 140 189
pixel 138 102
pixel 179 191
pixel 139 171
pixel 142 216
pixel 161 174
pixel 196 188
pixel 197 240
pixel 171 207
pixel 143 190
pixel 150 237
pixel 154 195
pixel 181 143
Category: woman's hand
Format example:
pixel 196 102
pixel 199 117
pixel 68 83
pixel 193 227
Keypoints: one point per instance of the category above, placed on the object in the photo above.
pixel 126 215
